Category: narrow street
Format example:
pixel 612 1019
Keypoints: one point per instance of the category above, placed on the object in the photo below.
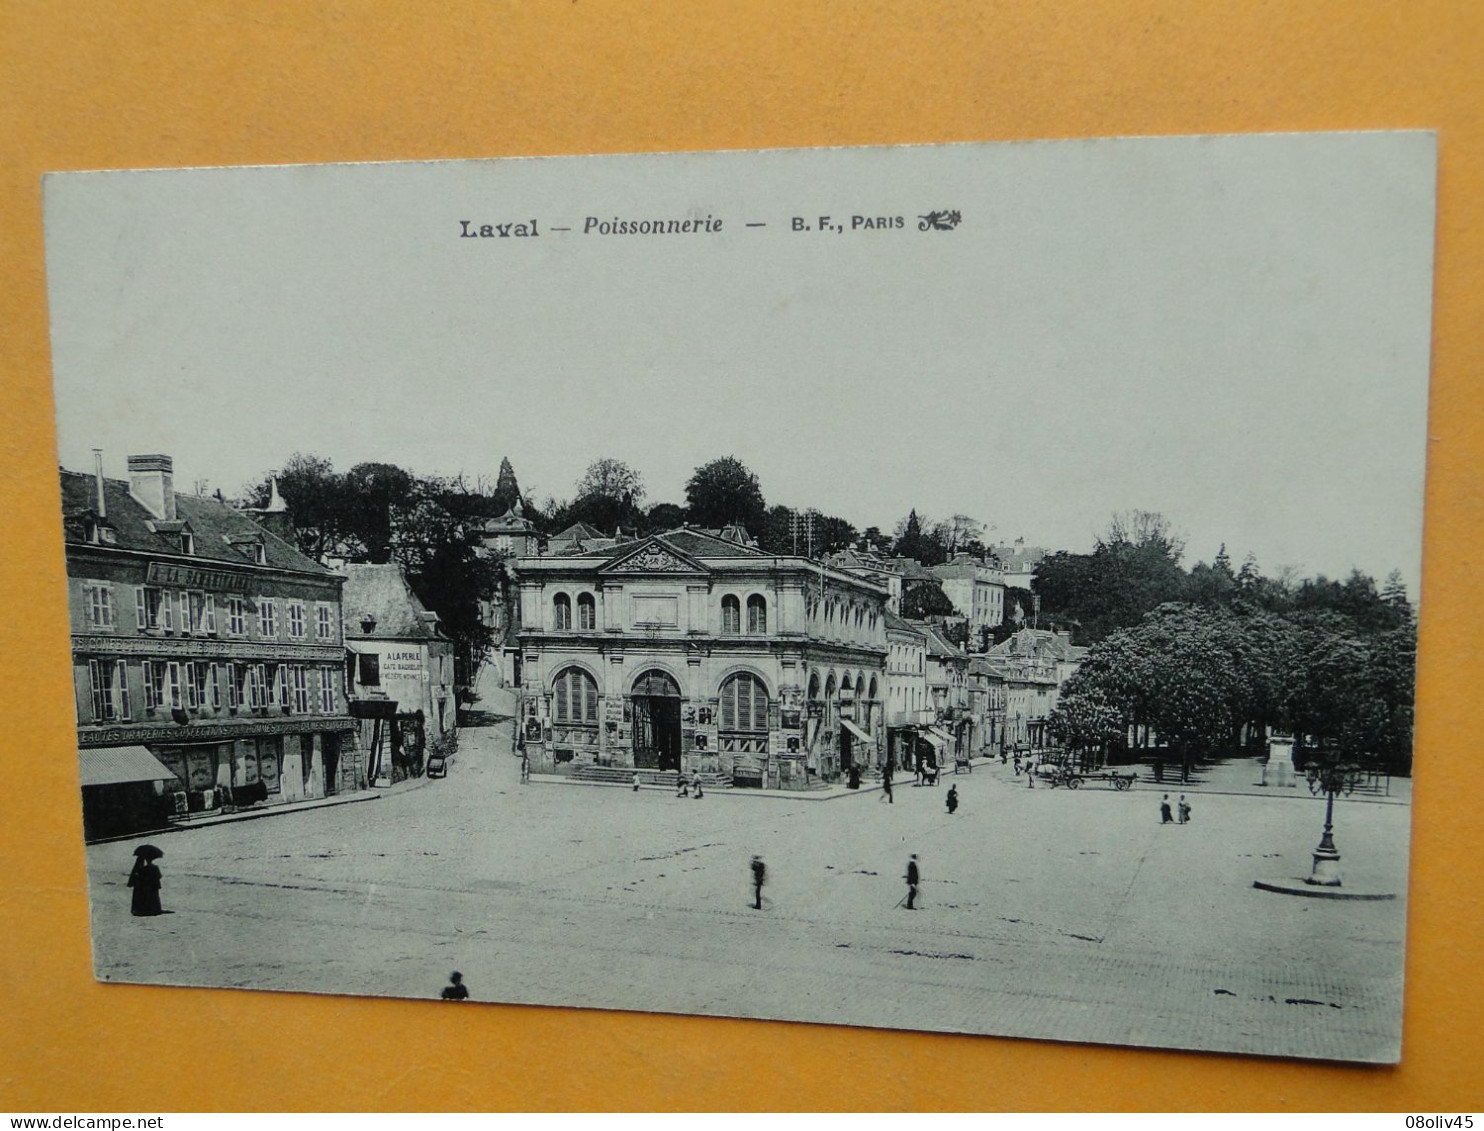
pixel 1047 913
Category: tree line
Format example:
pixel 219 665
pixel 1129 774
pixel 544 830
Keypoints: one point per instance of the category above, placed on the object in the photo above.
pixel 1210 660
pixel 431 526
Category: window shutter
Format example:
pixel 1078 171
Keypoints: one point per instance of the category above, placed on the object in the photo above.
pixel 561 697
pixel 95 688
pixel 592 698
pixel 211 614
pixel 141 610
pixel 173 674
pixel 121 678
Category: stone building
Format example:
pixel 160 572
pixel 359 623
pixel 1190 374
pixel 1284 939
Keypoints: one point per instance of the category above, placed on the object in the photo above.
pixel 207 655
pixel 698 653
pixel 977 590
pixel 399 674
pixel 1034 663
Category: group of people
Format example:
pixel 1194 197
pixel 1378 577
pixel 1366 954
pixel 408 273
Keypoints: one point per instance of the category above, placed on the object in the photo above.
pixel 1183 809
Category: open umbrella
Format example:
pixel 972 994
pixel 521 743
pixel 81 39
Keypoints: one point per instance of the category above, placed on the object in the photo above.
pixel 148 852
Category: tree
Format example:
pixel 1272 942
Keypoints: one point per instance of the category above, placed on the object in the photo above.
pixel 918 540
pixel 507 490
pixel 315 497
pixel 958 533
pixel 662 517
pixel 876 542
pixel 926 599
pixel 372 490
pixel 724 491
pixel 610 478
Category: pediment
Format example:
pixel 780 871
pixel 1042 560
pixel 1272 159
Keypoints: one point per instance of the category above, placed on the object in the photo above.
pixel 653 556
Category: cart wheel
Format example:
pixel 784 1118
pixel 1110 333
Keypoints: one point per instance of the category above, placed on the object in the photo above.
pixel 1121 784
pixel 1074 783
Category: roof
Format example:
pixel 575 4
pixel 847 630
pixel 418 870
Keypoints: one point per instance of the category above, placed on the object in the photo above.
pixel 382 591
pixel 1041 643
pixel 1019 558
pixel 512 520
pixel 937 644
pixel 965 567
pixel 222 532
pixel 912 569
pixel 578 530
pixel 895 623
pixel 116 765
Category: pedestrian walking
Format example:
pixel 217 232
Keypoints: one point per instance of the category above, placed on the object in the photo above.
pixel 886 782
pixel 145 880
pixel 1184 810
pixel 455 990
pixel 698 787
pixel 1164 811
pixel 952 799
pixel 759 876
pixel 914 877
pixel 684 790
pixel 636 782
pixel 1030 775
pixel 525 765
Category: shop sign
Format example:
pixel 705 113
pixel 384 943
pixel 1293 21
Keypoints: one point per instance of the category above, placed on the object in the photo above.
pixel 195 577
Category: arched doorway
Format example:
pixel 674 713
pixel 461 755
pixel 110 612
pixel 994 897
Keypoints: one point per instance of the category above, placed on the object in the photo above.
pixel 656 700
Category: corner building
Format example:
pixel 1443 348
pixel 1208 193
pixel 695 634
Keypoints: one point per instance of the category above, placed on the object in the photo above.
pixel 697 653
pixel 208 656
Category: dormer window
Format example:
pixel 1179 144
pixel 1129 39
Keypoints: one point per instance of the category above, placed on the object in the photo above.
pixel 187 542
pixel 259 553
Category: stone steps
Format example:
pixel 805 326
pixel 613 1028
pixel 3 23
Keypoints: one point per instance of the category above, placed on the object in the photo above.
pixel 624 775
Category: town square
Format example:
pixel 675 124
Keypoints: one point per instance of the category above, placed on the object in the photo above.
pixel 1001 621
pixel 1047 913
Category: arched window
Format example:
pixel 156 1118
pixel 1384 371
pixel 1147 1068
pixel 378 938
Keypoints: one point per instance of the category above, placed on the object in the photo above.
pixel 757 614
pixel 587 612
pixel 576 697
pixel 873 688
pixel 829 687
pixel 814 686
pixel 744 704
pixel 731 614
pixel 561 612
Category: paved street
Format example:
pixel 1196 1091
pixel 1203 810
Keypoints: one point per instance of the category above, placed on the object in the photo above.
pixel 1048 913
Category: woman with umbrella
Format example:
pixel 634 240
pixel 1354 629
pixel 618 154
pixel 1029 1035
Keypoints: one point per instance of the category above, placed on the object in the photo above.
pixel 145 880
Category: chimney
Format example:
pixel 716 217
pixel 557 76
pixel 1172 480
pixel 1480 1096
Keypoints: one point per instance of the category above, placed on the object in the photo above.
pixel 98 480
pixel 152 482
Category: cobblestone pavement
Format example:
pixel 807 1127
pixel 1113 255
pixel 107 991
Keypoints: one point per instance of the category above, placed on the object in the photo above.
pixel 1048 913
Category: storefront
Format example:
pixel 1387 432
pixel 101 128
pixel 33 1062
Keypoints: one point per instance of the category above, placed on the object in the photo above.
pixel 125 790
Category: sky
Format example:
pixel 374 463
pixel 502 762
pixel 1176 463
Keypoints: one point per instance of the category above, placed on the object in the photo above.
pixel 1232 331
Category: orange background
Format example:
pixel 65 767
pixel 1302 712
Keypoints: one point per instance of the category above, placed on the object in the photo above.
pixel 196 83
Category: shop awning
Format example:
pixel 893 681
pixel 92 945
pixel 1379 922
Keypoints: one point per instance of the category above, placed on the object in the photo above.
pixel 115 765
pixel 857 731
pixel 934 737
pixel 943 737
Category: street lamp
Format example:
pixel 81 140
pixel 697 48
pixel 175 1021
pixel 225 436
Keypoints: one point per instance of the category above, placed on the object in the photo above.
pixel 1329 778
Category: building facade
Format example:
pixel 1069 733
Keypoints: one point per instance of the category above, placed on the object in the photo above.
pixel 977 591
pixel 202 644
pixel 399 672
pixel 698 653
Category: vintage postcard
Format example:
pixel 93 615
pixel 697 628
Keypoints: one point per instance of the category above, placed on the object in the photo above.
pixel 967 588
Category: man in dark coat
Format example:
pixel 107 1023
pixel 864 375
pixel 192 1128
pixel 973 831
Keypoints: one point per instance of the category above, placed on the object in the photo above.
pixel 913 878
pixel 886 782
pixel 952 799
pixel 759 874
pixel 1164 811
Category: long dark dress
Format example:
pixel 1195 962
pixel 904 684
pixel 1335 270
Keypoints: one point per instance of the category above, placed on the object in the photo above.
pixel 145 880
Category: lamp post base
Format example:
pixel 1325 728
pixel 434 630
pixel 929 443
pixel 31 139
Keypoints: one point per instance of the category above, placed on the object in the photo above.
pixel 1326 871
